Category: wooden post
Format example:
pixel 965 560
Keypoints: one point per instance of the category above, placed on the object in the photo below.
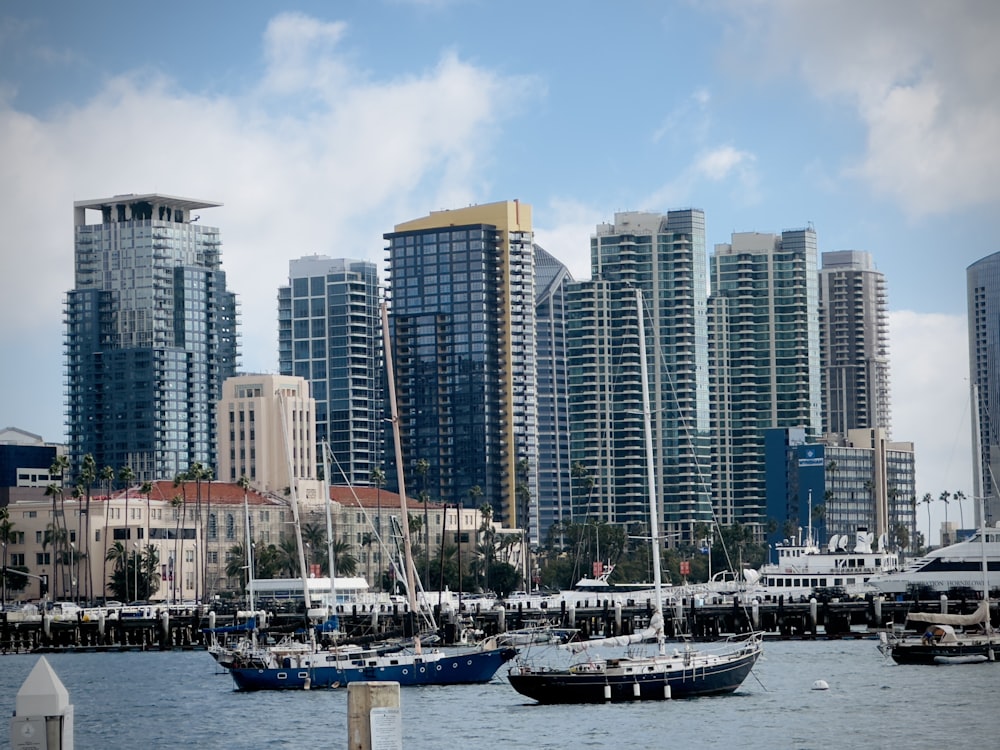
pixel 43 715
pixel 374 721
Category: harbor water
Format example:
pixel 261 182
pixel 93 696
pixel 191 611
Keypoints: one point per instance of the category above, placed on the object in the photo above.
pixel 182 699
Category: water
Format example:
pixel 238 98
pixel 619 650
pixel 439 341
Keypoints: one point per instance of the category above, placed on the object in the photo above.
pixel 172 700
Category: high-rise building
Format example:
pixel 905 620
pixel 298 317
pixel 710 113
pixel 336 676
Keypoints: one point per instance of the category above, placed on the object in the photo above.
pixel 983 292
pixel 854 339
pixel 267 433
pixel 463 337
pixel 839 484
pixel 765 368
pixel 150 335
pixel 664 257
pixel 330 333
pixel 554 501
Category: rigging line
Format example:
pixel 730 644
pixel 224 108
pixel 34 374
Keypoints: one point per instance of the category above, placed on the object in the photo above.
pixel 686 431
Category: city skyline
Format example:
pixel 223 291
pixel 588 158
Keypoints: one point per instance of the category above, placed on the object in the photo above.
pixel 319 130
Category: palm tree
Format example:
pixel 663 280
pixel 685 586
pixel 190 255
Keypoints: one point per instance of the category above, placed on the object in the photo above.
pixel 197 472
pixel 149 571
pixel 928 499
pixel 314 537
pixel 237 564
pixel 180 481
pixel 959 497
pixel 944 499
pixel 486 527
pixel 54 491
pixel 126 476
pixel 107 476
pixel 177 503
pixel 118 555
pixel 345 562
pixel 88 475
pixel 288 558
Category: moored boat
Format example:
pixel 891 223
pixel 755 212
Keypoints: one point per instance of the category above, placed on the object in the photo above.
pixel 803 568
pixel 296 668
pixel 685 672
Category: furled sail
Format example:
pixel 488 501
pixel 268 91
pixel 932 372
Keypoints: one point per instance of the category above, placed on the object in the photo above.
pixel 981 615
pixel 652 633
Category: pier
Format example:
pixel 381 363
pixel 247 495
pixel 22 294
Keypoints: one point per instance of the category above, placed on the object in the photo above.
pixel 164 629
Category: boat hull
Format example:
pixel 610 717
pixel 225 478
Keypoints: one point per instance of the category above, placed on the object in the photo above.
pixel 571 686
pixel 972 652
pixel 406 669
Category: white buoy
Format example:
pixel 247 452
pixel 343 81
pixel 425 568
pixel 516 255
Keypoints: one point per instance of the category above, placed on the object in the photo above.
pixel 820 685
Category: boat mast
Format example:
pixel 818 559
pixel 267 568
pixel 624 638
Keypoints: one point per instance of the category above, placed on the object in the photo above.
pixel 285 414
pixel 249 547
pixel 411 591
pixel 332 565
pixel 977 483
pixel 654 517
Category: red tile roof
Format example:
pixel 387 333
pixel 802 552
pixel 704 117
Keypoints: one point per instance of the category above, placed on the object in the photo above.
pixel 226 493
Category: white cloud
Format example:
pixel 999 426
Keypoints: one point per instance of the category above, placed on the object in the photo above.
pixel 364 155
pixel 922 76
pixel 718 164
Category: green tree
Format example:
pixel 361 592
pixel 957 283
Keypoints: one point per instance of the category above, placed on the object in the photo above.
pixel 237 565
pixel 346 563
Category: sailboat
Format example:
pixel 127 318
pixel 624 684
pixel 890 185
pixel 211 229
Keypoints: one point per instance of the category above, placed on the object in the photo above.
pixel 292 666
pixel 683 672
pixel 940 643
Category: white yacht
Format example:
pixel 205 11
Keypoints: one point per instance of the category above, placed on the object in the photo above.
pixel 955 567
pixel 803 567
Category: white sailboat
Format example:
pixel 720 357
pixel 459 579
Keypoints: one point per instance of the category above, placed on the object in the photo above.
pixel 685 672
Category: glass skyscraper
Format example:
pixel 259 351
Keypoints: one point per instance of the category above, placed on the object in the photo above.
pixel 855 343
pixel 150 335
pixel 462 290
pixel 983 292
pixel 554 502
pixel 765 366
pixel 663 256
pixel 330 333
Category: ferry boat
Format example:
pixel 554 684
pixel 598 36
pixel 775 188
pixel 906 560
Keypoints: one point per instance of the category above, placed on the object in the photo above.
pixel 803 568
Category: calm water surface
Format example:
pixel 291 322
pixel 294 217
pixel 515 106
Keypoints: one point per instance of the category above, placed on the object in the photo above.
pixel 174 700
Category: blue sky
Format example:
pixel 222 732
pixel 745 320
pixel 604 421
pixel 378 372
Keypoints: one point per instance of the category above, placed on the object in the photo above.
pixel 320 125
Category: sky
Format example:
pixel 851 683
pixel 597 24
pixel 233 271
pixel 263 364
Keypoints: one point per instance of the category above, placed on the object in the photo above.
pixel 321 125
